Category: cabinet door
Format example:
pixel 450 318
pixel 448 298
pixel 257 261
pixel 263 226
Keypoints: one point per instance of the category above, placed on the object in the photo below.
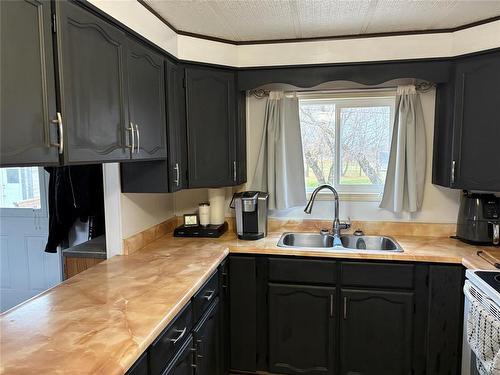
pixel 182 364
pixel 376 333
pixel 91 55
pixel 477 119
pixel 28 101
pixel 211 127
pixel 301 329
pixel 177 138
pixel 146 101
pixel 206 337
pixel 224 314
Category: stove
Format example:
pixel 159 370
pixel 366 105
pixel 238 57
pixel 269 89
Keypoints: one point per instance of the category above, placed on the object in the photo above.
pixel 492 278
pixel 482 287
pixel 487 281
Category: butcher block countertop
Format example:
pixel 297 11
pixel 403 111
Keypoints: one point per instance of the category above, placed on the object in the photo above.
pixel 102 320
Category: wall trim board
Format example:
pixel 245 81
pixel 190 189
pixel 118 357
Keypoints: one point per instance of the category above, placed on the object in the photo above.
pixel 319 38
pixel 465 40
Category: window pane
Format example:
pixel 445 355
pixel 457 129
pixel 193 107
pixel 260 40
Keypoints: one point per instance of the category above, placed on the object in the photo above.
pixel 364 144
pixel 20 188
pixel 317 124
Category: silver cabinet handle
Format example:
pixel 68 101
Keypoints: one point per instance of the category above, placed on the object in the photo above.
pixel 181 335
pixel 453 166
pixel 496 232
pixel 177 174
pixel 331 305
pixel 138 149
pixel 132 136
pixel 234 171
pixel 345 308
pixel 59 122
pixel 209 295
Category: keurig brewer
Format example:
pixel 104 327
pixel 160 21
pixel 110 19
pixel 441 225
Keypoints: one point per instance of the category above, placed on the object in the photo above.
pixel 251 214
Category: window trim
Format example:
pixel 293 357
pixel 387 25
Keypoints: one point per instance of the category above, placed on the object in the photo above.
pixel 41 212
pixel 350 99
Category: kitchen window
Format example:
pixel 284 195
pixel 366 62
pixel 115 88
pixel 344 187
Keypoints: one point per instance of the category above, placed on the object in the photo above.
pixel 346 140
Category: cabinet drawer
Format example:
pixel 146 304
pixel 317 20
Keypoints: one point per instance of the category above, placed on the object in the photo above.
pixel 385 275
pixel 163 349
pixel 303 270
pixel 205 296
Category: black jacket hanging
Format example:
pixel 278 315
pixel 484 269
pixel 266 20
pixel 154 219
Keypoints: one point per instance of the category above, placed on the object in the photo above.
pixel 75 192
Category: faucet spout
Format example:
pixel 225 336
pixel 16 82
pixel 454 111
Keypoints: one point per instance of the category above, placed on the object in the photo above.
pixel 337 225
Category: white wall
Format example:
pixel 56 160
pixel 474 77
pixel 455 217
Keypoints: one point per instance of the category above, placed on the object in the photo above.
pixel 440 205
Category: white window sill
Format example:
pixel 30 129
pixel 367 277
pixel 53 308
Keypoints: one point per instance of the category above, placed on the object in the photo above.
pixel 353 197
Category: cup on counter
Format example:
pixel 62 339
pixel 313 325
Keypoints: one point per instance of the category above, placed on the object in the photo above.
pixel 204 213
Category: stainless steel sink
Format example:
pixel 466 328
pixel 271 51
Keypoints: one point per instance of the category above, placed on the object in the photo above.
pixel 326 242
pixel 306 240
pixel 378 243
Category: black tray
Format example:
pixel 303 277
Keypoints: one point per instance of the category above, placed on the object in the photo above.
pixel 211 231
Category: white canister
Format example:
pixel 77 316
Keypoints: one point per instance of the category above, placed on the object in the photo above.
pixel 217 198
pixel 204 213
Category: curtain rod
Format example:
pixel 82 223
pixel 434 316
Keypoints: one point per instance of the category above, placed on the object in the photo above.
pixel 423 87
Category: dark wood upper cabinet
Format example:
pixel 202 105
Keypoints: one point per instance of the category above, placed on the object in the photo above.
pixel 376 332
pixel 477 124
pixel 28 98
pixel 466 132
pixel 146 101
pixel 91 62
pixel 211 127
pixel 176 126
pixel 301 329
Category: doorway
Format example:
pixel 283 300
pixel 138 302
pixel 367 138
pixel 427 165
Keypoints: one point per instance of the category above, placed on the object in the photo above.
pixel 25 268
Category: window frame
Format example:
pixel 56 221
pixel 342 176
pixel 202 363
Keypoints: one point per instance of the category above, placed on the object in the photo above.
pixel 41 212
pixel 351 99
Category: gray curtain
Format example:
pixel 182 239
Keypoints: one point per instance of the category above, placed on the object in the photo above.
pixel 404 184
pixel 280 165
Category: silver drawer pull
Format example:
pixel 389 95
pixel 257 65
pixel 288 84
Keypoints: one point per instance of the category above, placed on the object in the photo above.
pixel 181 335
pixel 209 295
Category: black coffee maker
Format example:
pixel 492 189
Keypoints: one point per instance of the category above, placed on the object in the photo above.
pixel 251 214
pixel 479 219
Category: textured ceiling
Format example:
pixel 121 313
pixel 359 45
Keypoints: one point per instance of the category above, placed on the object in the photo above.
pixel 250 20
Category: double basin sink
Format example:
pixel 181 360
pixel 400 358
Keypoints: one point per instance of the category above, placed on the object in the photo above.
pixel 327 242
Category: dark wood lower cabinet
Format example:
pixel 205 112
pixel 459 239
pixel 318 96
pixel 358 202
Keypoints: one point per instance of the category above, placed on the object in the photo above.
pixel 301 329
pixel 335 318
pixel 207 337
pixel 182 364
pixel 376 332
pixel 292 315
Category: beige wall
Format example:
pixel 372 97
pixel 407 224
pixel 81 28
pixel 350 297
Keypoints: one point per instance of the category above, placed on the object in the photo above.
pixel 142 211
pixel 440 205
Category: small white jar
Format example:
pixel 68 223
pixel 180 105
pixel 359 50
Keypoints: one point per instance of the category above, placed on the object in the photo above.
pixel 204 213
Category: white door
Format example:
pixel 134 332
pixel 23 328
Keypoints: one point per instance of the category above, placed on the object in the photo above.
pixel 25 268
